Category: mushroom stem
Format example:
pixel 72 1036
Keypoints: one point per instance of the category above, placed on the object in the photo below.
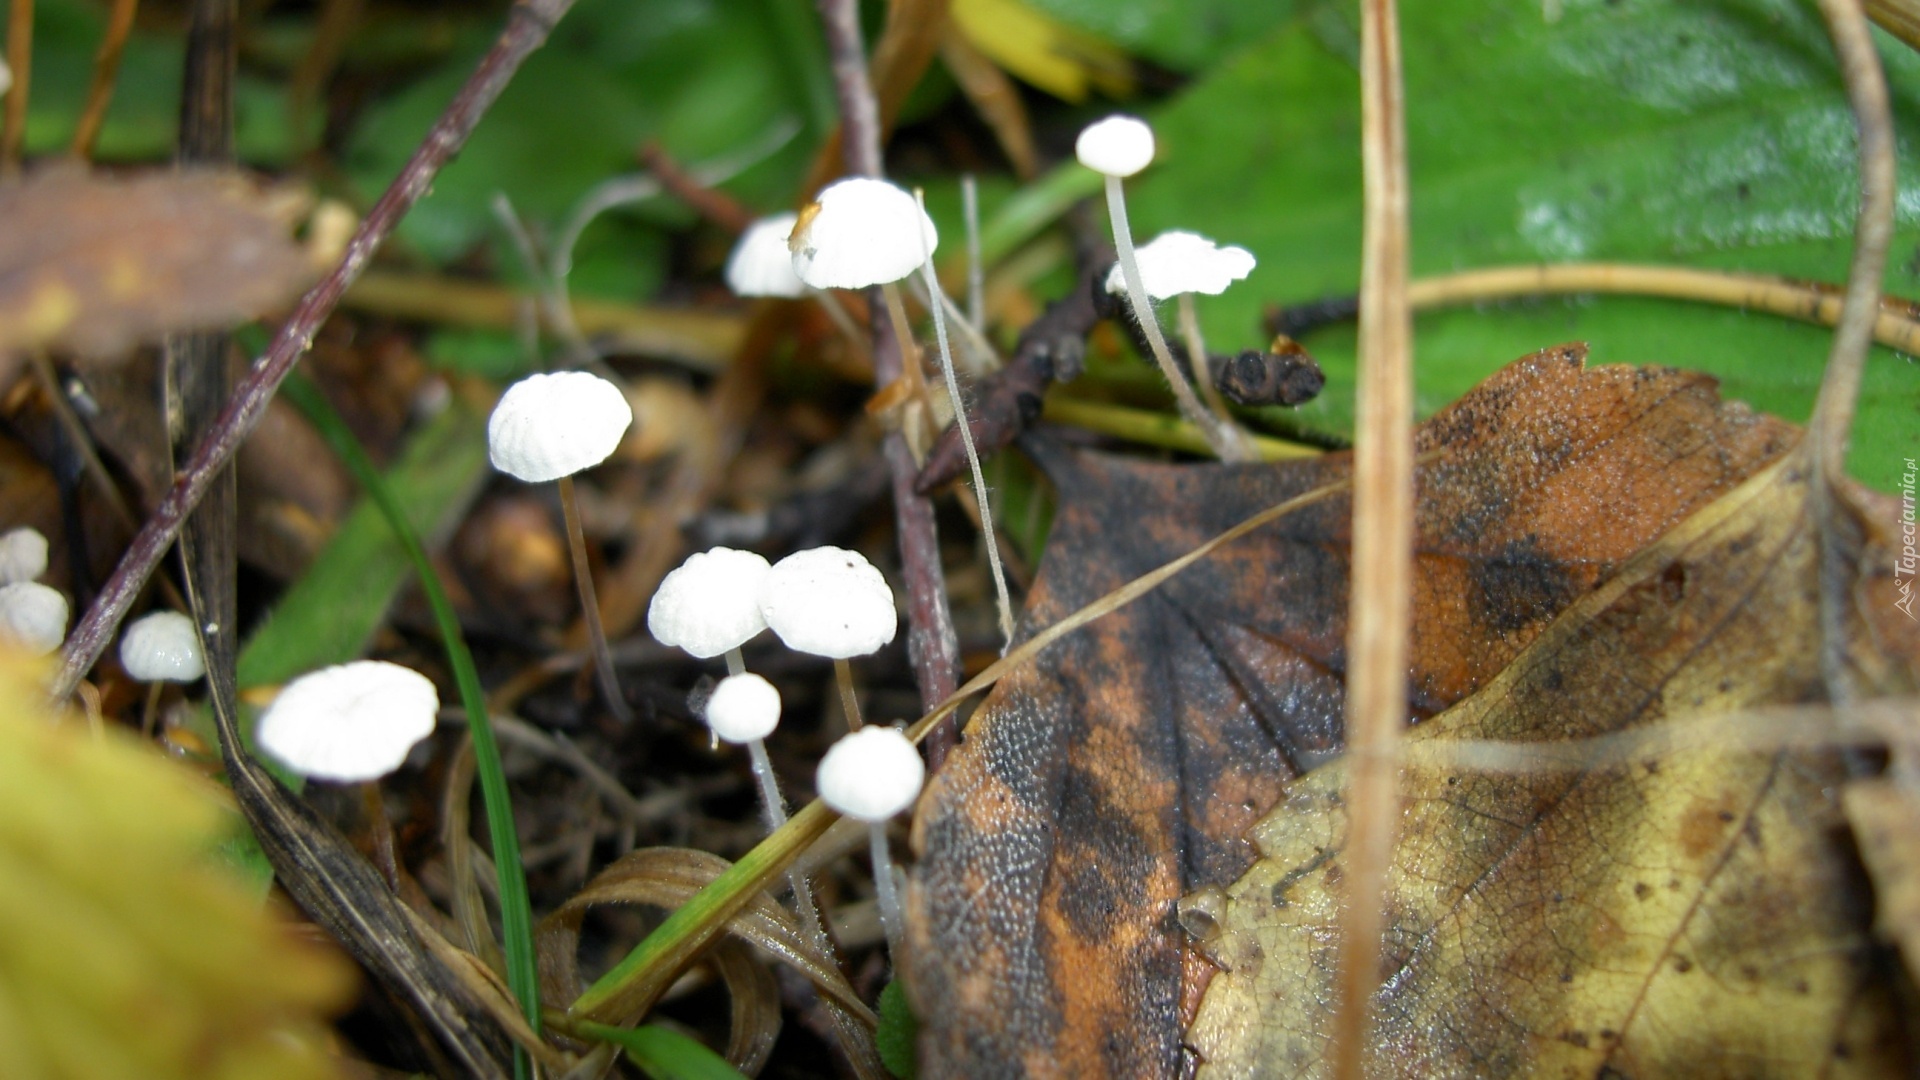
pixel 773 811
pixel 936 298
pixel 736 662
pixel 1190 406
pixel 375 808
pixel 151 712
pixel 843 674
pixel 590 604
pixel 976 269
pixel 1203 378
pixel 883 890
pixel 842 321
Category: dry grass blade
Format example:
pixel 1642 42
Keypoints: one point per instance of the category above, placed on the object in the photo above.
pixel 755 1024
pixel 106 69
pixel 1382 597
pixel 668 878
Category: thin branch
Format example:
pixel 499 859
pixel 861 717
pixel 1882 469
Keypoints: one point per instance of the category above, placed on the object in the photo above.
pixel 932 645
pixel 527 27
pixel 1381 605
pixel 106 71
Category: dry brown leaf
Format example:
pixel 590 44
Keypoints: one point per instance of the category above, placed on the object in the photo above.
pixel 1123 767
pixel 1690 914
pixel 96 264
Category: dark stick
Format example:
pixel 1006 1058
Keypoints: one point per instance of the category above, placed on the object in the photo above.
pixel 932 645
pixel 527 27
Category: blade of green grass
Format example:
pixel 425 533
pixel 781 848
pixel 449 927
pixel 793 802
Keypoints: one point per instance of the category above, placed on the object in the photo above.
pixel 516 915
pixel 664 1054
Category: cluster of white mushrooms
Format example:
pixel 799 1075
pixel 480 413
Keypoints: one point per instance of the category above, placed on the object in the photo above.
pixel 826 602
pixel 33 617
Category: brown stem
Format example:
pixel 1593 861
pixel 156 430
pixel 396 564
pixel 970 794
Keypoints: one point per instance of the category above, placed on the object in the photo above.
pixel 374 806
pixel 1381 606
pixel 590 604
pixel 711 203
pixel 106 70
pixel 849 701
pixel 13 129
pixel 932 646
pixel 527 27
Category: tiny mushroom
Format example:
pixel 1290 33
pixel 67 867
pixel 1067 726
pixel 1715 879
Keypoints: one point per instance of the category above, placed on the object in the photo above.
pixel 23 555
pixel 872 775
pixel 33 617
pixel 1117 147
pixel 830 602
pixel 351 722
pixel 860 232
pixel 548 427
pixel 744 710
pixel 761 264
pixel 710 604
pixel 158 649
pixel 1180 263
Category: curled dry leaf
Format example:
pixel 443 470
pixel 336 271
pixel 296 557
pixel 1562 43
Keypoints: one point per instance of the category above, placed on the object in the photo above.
pixel 1123 768
pixel 96 263
pixel 1687 914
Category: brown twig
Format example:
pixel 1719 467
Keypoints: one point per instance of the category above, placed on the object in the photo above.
pixel 1381 606
pixel 1832 421
pixel 527 27
pixel 13 128
pixel 710 203
pixel 932 646
pixel 106 71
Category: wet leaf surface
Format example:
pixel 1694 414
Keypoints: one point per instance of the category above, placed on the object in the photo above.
pixel 1682 914
pixel 1122 769
pixel 98 264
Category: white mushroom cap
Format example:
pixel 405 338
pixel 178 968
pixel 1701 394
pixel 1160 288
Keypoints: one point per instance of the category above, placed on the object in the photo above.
pixel 23 555
pixel 1120 145
pixel 761 263
pixel 710 603
pixel 859 232
pixel 871 775
pixel 32 617
pixel 829 602
pixel 1178 262
pixel 554 425
pixel 350 722
pixel 743 708
pixel 162 647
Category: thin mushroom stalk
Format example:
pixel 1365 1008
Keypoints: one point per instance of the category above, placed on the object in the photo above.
pixel 1197 359
pixel 744 709
pixel 590 604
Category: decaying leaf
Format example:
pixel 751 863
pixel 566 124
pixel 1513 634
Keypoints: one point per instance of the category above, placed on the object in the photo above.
pixel 124 952
pixel 1123 768
pixel 96 264
pixel 1690 914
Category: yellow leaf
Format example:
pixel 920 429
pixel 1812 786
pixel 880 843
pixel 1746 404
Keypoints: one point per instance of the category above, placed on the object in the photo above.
pixel 1060 59
pixel 124 952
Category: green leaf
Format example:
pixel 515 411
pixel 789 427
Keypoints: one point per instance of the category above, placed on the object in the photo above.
pixel 1185 35
pixel 664 1054
pixel 1704 135
pixel 897 1033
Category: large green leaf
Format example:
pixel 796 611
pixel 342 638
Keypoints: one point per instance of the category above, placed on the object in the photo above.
pixel 1711 134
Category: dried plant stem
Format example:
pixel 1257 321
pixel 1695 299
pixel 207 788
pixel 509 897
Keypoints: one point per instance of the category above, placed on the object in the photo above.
pixel 1197 359
pixel 527 27
pixel 938 304
pixel 1155 428
pixel 13 127
pixel 1381 606
pixel 1190 407
pixel 590 604
pixel 1832 421
pixel 932 646
pixel 976 267
pixel 106 70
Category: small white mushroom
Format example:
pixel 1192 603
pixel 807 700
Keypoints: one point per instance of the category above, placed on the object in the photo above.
pixel 551 426
pixel 744 709
pixel 860 232
pixel 352 722
pixel 1120 145
pixel 33 617
pixel 761 264
pixel 710 604
pixel 1178 263
pixel 1116 147
pixel 23 555
pixel 162 647
pixel 830 602
pixel 548 427
pixel 872 775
